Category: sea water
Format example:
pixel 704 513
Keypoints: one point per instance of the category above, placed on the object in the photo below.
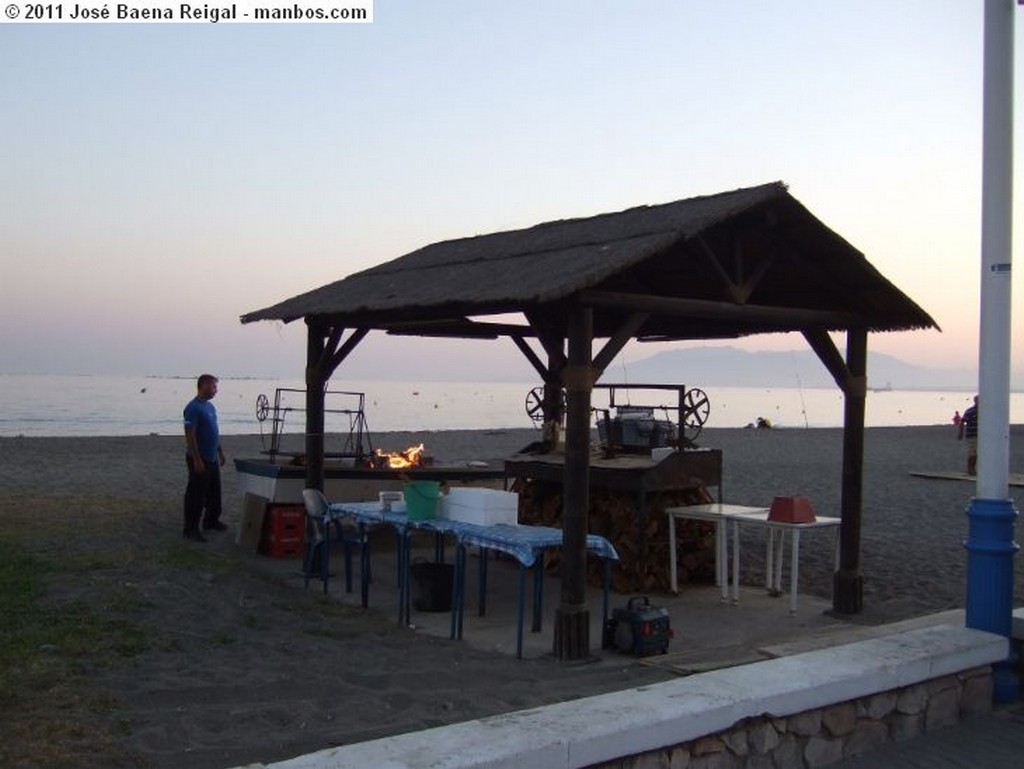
pixel 51 405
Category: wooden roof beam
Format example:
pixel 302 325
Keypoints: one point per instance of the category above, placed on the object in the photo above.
pixel 740 286
pixel 842 371
pixel 531 356
pixel 785 318
pixel 457 328
pixel 550 338
pixel 340 353
pixel 613 346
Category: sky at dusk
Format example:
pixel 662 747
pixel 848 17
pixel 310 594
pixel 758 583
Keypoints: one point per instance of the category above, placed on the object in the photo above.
pixel 158 181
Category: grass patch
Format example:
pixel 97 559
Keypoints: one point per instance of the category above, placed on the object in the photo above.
pixel 88 582
pixel 183 556
pixel 23 633
pixel 43 644
pixel 38 634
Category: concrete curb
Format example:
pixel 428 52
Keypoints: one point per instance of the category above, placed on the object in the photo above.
pixel 588 731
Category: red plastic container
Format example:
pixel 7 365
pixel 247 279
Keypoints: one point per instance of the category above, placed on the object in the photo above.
pixel 283 548
pixel 284 531
pixel 791 510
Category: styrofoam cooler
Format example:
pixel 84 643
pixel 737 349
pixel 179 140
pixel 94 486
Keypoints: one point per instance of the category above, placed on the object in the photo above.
pixel 484 507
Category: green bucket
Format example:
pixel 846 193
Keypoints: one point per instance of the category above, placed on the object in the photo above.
pixel 422 499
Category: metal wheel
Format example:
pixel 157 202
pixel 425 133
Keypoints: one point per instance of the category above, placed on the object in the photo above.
pixel 535 405
pixel 262 408
pixel 696 408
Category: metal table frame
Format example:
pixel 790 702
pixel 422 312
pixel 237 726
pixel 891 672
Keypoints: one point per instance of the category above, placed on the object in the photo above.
pixel 717 513
pixel 773 557
pixel 524 543
pixel 527 545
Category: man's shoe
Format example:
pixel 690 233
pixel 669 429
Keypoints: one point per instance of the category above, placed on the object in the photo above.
pixel 215 526
pixel 195 536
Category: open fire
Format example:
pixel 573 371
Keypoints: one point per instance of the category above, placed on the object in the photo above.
pixel 399 460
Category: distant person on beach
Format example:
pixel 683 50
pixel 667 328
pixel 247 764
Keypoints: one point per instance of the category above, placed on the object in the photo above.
pixel 969 431
pixel 204 458
pixel 957 419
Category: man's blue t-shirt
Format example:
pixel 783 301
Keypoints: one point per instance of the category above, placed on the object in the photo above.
pixel 201 416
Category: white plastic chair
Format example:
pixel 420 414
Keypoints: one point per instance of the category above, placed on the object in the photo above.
pixel 318 540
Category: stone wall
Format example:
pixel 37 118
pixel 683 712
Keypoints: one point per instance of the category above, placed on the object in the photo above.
pixel 826 735
pixel 830 703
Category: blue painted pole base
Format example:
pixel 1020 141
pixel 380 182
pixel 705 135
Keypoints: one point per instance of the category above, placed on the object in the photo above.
pixel 990 552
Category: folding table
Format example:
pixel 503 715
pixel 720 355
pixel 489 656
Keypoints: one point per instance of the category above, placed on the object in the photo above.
pixel 526 544
pixel 716 513
pixel 773 558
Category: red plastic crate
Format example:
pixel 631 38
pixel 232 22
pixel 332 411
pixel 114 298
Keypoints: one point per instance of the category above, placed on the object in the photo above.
pixel 285 522
pixel 282 548
pixel 284 531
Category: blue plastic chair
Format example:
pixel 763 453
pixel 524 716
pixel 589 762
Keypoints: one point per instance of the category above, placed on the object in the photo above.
pixel 319 540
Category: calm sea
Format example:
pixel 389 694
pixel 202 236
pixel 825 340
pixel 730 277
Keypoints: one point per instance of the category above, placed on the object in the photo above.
pixel 35 405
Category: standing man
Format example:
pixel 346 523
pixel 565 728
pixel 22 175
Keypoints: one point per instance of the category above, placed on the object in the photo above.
pixel 969 431
pixel 204 458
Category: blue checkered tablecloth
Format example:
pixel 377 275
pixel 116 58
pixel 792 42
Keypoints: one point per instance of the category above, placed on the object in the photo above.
pixel 367 512
pixel 521 542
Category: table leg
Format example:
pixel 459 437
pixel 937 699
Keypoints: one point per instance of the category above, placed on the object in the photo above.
pixel 407 577
pixel 398 557
pixel 458 589
pixel 399 570
pixel 794 570
pixel 735 562
pixel 482 597
pixel 520 612
pixel 769 560
pixel 364 566
pixel 346 551
pixel 672 565
pixel 538 593
pixel 722 557
pixel 607 569
pixel 325 570
pixel 777 588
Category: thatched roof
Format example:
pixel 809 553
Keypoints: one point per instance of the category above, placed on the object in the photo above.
pixel 749 261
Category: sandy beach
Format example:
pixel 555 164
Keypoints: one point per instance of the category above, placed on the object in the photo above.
pixel 217 661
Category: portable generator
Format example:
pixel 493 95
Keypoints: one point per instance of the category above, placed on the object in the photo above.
pixel 639 629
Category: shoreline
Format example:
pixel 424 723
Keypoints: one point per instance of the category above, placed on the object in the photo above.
pixel 1014 427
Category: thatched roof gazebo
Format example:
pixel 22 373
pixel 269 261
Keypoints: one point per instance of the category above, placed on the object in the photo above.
pixel 749 261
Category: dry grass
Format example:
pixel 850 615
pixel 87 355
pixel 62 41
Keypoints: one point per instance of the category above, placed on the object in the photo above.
pixel 90 585
pixel 66 611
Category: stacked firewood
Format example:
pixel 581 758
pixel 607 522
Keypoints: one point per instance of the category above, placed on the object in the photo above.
pixel 643 565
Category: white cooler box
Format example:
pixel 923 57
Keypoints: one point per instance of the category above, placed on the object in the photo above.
pixel 485 507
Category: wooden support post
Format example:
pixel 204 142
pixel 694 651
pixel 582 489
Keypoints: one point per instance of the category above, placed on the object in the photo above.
pixel 316 382
pixel 554 403
pixel 324 353
pixel 572 619
pixel 848 585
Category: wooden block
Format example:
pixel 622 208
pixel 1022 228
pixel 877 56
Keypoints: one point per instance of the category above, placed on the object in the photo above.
pixel 254 508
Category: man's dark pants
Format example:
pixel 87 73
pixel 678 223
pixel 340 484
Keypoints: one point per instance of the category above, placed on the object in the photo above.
pixel 202 493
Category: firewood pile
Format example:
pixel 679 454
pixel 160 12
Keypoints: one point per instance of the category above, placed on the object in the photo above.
pixel 643 565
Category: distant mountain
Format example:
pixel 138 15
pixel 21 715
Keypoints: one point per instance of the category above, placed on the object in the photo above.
pixel 732 367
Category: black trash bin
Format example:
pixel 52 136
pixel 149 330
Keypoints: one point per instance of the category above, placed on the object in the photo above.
pixel 432 586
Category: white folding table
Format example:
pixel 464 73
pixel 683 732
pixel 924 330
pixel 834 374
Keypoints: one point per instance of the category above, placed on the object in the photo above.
pixel 716 513
pixel 773 557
